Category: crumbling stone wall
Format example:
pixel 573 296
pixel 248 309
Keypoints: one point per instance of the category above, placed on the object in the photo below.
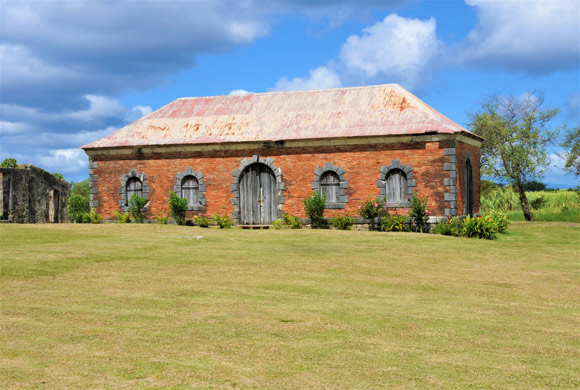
pixel 32 195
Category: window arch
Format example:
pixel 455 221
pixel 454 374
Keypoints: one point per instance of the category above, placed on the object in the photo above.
pixel 396 184
pixel 189 185
pixel 132 183
pixel 331 183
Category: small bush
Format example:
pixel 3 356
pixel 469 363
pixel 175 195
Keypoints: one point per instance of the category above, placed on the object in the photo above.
pixel 314 206
pixel 538 203
pixel 502 221
pixel 449 227
pixel 395 223
pixel 201 221
pixel 77 206
pixel 343 222
pixel 279 224
pixel 136 205
pixel 223 221
pixel 58 176
pixel 177 208
pixel 9 163
pixel 122 218
pixel 371 210
pixel 162 217
pixel 480 227
pixel 419 214
pixel 94 217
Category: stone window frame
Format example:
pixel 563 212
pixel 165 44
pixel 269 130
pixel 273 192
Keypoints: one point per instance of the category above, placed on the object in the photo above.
pixel 343 186
pixel 246 162
pixel 382 182
pixel 201 189
pixel 124 202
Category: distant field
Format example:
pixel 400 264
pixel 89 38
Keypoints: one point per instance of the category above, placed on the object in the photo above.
pixel 552 206
pixel 151 306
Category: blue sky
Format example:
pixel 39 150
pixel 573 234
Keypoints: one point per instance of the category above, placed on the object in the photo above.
pixel 74 71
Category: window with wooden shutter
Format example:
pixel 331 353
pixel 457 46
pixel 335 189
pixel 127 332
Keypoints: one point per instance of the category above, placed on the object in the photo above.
pixel 134 186
pixel 330 187
pixel 396 183
pixel 190 191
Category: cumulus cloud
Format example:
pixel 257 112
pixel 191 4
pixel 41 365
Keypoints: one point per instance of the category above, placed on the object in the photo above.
pixel 238 92
pixel 320 78
pixel 395 48
pixel 534 37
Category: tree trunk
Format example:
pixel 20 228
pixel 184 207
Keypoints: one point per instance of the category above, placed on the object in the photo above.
pixel 524 202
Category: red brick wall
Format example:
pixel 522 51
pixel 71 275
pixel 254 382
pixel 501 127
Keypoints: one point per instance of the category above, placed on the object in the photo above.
pixel 463 150
pixel 361 163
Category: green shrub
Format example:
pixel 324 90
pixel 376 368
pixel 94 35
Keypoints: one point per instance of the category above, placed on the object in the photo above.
pixel 419 214
pixel 395 223
pixel 502 221
pixel 94 217
pixel 538 203
pixel 58 176
pixel 371 210
pixel 481 227
pixel 279 224
pixel 177 208
pixel 136 205
pixel 314 206
pixel 122 218
pixel 223 221
pixel 162 217
pixel 288 221
pixel 449 227
pixel 77 206
pixel 201 221
pixel 343 221
pixel 9 163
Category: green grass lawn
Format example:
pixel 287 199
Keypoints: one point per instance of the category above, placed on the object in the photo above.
pixel 150 306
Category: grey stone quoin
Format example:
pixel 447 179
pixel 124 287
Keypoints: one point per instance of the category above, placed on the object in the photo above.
pixel 450 196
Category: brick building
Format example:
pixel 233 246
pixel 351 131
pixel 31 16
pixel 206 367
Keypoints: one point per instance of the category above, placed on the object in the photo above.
pixel 257 156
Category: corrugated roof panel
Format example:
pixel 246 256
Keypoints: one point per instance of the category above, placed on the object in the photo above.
pixel 346 112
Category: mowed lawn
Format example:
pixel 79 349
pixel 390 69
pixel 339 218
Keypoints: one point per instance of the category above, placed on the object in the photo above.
pixel 151 306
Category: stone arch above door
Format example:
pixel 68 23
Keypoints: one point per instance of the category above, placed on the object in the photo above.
pixel 237 174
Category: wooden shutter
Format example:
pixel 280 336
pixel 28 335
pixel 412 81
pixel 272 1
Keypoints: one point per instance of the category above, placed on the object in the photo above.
pixel 330 186
pixel 396 187
pixel 190 191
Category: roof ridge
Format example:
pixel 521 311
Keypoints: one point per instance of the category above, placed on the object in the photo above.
pixel 392 85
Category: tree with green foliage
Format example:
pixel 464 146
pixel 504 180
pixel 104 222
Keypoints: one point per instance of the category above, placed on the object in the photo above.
pixel 177 208
pixel 314 206
pixel 571 154
pixel 517 135
pixel 9 163
pixel 136 205
pixel 77 207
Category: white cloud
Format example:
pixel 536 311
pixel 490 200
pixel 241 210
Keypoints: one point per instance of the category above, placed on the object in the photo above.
pixel 63 160
pixel 238 92
pixel 397 49
pixel 322 77
pixel 529 36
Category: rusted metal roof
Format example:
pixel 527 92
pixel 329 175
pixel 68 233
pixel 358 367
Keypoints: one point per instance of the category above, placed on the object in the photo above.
pixel 346 112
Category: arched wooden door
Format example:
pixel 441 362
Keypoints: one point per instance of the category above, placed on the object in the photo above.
pixel 468 188
pixel 257 196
